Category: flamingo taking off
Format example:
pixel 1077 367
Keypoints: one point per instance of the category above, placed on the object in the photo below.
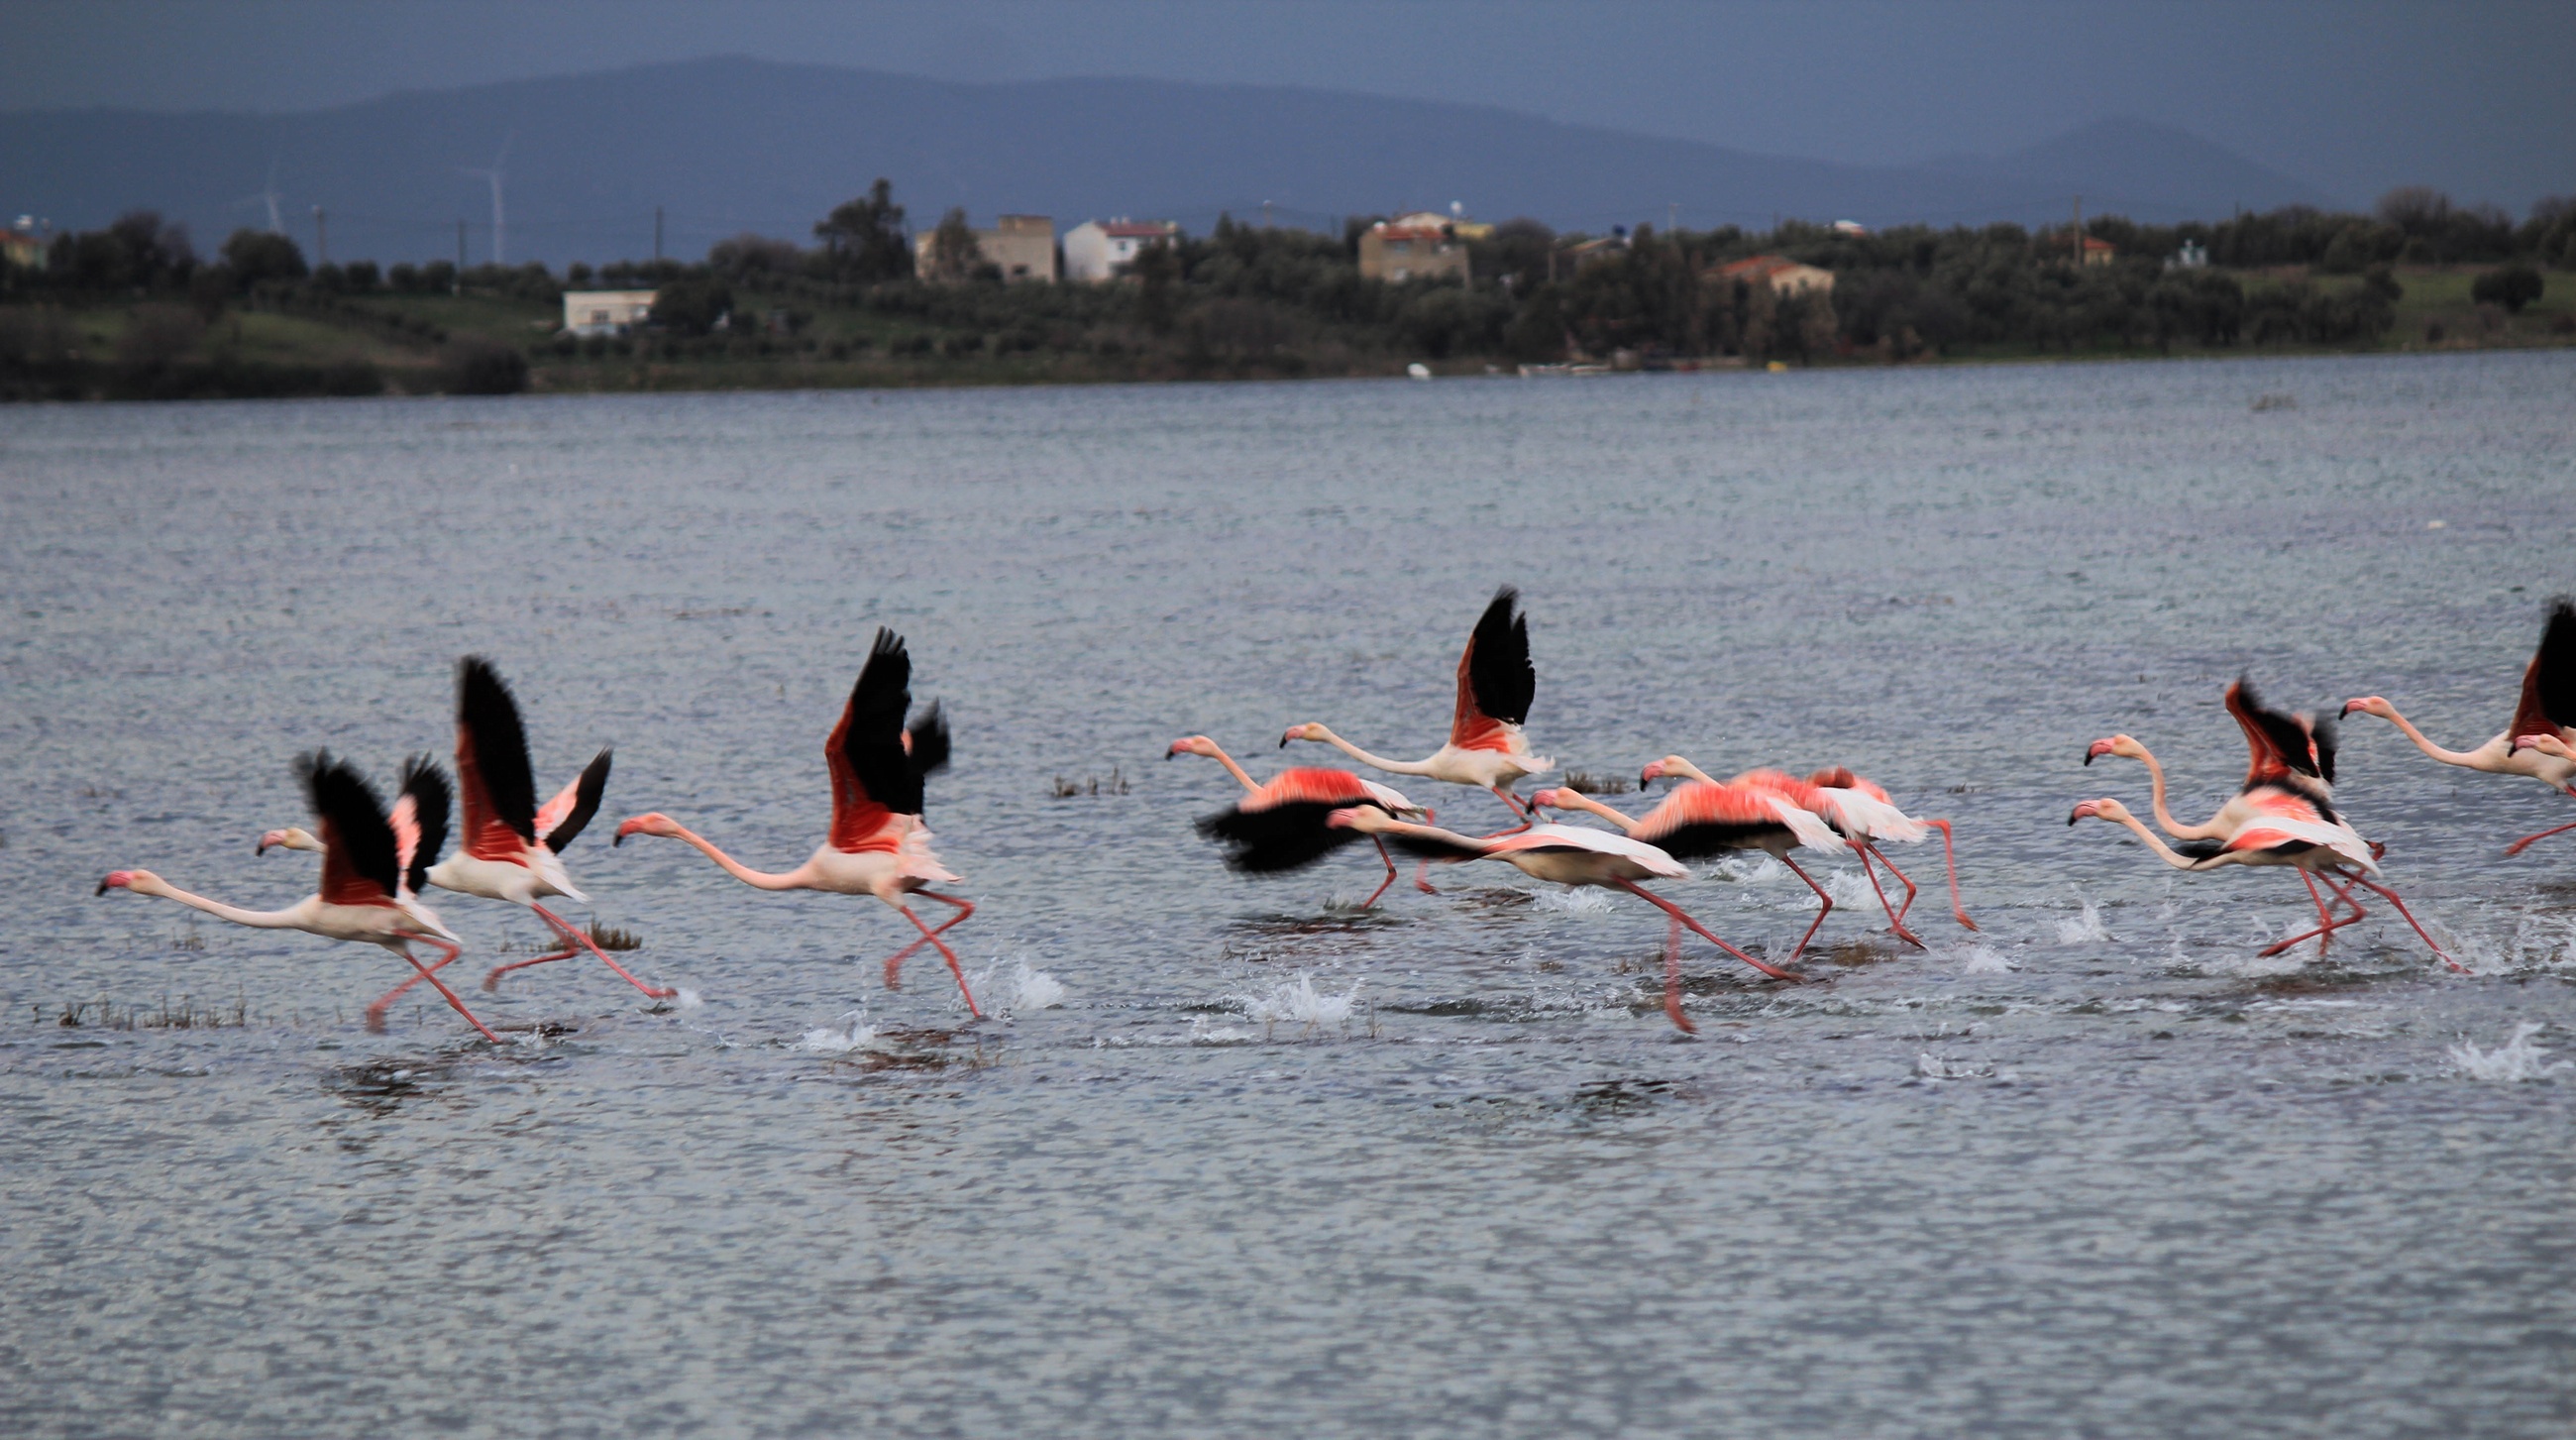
pixel 2547 707
pixel 1867 806
pixel 1566 855
pixel 1705 817
pixel 367 864
pixel 1281 826
pixel 1486 748
pixel 878 844
pixel 511 848
pixel 2283 815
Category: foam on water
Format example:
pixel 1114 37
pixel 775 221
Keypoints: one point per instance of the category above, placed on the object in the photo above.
pixel 2084 927
pixel 1588 900
pixel 1299 1002
pixel 1026 989
pixel 859 1034
pixel 687 999
pixel 2516 1059
pixel 1983 959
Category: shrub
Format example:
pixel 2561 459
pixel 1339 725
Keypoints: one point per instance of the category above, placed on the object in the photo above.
pixel 482 367
pixel 2511 286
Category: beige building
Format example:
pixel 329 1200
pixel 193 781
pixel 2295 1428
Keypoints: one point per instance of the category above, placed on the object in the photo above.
pixel 24 244
pixel 1096 250
pixel 1022 247
pixel 606 312
pixel 1784 275
pixel 1424 246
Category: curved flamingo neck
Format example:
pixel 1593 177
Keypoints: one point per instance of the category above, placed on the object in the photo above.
pixel 1375 762
pixel 2154 841
pixel 796 879
pixel 2465 759
pixel 2206 830
pixel 1573 800
pixel 1217 753
pixel 1685 769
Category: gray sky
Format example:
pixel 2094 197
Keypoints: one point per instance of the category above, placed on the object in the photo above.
pixel 2355 97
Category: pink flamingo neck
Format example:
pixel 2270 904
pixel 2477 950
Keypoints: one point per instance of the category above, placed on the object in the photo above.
pixel 1374 762
pixel 799 878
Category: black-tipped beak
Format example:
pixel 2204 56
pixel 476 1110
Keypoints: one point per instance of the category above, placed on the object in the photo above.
pixel 102 887
pixel 2074 815
pixel 1283 742
pixel 619 839
pixel 259 849
pixel 2088 759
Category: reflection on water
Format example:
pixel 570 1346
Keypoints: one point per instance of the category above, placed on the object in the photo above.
pixel 1232 1156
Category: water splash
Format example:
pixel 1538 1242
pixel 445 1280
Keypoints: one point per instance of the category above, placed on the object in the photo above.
pixel 687 999
pixel 1026 989
pixel 1984 960
pixel 1298 1001
pixel 1849 889
pixel 2536 942
pixel 1202 1033
pixel 860 1035
pixel 1932 1067
pixel 2084 927
pixel 2516 1059
pixel 1585 901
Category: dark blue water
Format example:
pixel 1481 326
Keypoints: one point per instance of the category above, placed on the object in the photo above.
pixel 1230 1157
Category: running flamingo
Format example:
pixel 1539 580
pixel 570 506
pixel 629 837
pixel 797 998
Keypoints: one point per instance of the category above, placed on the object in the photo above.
pixel 1280 826
pixel 878 844
pixel 2547 708
pixel 1868 806
pixel 2283 816
pixel 511 848
pixel 1566 855
pixel 1852 819
pixel 1705 817
pixel 364 895
pixel 1486 748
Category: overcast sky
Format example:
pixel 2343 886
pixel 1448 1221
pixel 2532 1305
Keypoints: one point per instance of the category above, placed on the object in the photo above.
pixel 2353 97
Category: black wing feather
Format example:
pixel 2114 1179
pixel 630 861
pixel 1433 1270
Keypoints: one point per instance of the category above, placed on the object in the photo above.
pixel 1715 837
pixel 349 807
pixel 585 803
pixel 929 737
pixel 2558 663
pixel 874 744
pixel 431 802
pixel 1500 670
pixel 2287 735
pixel 2328 738
pixel 485 707
pixel 1278 839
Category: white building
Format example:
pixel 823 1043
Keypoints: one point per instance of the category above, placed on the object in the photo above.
pixel 606 312
pixel 1095 249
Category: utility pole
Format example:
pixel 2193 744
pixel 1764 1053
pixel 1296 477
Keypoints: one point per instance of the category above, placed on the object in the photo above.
pixel 321 238
pixel 1265 214
pixel 459 286
pixel 657 234
pixel 1672 216
pixel 2079 232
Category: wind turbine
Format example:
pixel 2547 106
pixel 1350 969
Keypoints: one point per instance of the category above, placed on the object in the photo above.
pixel 275 225
pixel 500 230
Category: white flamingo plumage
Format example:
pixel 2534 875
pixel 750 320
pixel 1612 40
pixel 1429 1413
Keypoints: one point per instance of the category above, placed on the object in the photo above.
pixel 2546 708
pixel 1706 817
pixel 364 895
pixel 1281 825
pixel 878 844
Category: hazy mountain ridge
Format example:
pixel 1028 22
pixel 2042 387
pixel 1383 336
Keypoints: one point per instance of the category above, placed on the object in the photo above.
pixel 725 145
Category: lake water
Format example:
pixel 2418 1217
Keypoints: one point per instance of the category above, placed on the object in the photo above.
pixel 1229 1158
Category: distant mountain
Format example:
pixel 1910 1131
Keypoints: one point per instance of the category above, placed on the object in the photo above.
pixel 726 145
pixel 2142 170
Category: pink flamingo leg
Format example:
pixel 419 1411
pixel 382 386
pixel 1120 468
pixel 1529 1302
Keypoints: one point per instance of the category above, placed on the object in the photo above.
pixel 1371 902
pixel 375 1017
pixel 1673 977
pixel 1528 816
pixel 1678 914
pixel 376 1012
pixel 950 955
pixel 894 962
pixel 1950 859
pixel 1894 920
pixel 2327 923
pixel 2384 893
pixel 1827 909
pixel 492 982
pixel 1901 877
pixel 2524 843
pixel 572 936
pixel 1422 878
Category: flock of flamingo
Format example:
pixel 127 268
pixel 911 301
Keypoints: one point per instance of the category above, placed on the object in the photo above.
pixel 377 861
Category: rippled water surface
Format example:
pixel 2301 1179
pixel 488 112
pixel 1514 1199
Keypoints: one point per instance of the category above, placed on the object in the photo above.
pixel 1230 1157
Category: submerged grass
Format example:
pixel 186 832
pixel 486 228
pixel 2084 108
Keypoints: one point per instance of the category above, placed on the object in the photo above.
pixel 183 1014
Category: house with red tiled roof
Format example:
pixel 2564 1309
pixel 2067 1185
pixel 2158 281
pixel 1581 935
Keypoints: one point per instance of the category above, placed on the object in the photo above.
pixel 1784 275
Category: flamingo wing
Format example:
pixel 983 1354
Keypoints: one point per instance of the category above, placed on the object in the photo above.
pixel 420 821
pixel 926 741
pixel 1701 818
pixel 561 819
pixel 2548 704
pixel 360 865
pixel 1282 826
pixel 499 793
pixel 872 778
pixel 2277 745
pixel 1495 679
pixel 1541 838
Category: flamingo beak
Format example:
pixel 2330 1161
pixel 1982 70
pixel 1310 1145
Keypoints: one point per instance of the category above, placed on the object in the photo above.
pixel 2079 812
pixel 2096 751
pixel 2349 706
pixel 103 886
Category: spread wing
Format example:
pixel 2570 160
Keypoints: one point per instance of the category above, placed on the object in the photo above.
pixel 2548 704
pixel 1282 826
pixel 1701 819
pixel 420 820
pixel 492 764
pixel 926 741
pixel 561 819
pixel 359 862
pixel 2277 745
pixel 872 778
pixel 1495 680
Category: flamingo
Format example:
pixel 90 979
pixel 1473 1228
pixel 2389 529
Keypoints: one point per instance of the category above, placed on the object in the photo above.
pixel 2283 815
pixel 1848 819
pixel 367 863
pixel 1565 855
pixel 1486 748
pixel 511 848
pixel 1705 817
pixel 1868 805
pixel 2547 707
pixel 1280 826
pixel 878 844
